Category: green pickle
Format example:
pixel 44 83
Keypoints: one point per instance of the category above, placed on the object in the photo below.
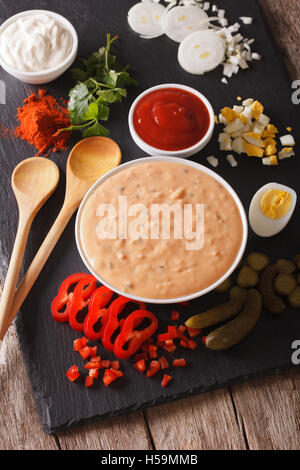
pixel 215 315
pixel 285 266
pixel 294 298
pixel 285 284
pixel 271 301
pixel 258 261
pixel 237 329
pixel 247 277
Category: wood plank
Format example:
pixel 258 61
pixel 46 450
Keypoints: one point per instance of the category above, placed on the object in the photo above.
pixel 204 422
pixel 270 411
pixel 121 433
pixel 282 18
pixel 19 424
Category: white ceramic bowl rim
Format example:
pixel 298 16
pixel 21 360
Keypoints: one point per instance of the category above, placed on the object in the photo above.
pixel 64 21
pixel 195 165
pixel 195 92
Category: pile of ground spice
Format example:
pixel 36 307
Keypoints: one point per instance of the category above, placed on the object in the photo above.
pixel 40 118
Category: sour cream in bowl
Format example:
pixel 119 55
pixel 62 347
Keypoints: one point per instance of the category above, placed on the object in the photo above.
pixel 37 46
pixel 171 120
pixel 161 230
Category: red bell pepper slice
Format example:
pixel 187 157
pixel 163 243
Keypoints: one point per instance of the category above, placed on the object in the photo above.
pixel 72 374
pixel 166 379
pixel 113 323
pixel 80 300
pixel 131 337
pixel 61 303
pixel 99 299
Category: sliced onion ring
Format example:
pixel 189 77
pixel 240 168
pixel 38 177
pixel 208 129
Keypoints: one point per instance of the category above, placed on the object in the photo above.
pixel 145 19
pixel 201 52
pixel 181 21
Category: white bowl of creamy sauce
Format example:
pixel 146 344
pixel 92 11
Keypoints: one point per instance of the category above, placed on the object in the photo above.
pixel 129 242
pixel 37 46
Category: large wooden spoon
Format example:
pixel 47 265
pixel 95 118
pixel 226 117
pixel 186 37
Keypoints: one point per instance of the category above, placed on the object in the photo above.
pixel 89 160
pixel 33 181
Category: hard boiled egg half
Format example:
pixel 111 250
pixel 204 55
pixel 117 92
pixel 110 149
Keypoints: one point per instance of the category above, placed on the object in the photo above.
pixel 271 209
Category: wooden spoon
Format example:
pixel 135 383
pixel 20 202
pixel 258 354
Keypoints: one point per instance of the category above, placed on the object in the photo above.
pixel 33 181
pixel 89 160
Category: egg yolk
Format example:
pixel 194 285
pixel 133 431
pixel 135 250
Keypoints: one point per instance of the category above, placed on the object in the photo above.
pixel 275 203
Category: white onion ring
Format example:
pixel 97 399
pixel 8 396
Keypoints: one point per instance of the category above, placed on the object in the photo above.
pixel 201 52
pixel 181 21
pixel 145 19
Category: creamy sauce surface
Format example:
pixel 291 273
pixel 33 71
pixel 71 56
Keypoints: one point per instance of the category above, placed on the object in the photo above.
pixel 35 43
pixel 162 268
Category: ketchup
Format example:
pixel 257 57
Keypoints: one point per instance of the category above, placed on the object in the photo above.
pixel 171 119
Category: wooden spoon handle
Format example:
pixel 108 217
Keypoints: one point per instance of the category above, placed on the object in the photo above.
pixel 39 261
pixel 13 273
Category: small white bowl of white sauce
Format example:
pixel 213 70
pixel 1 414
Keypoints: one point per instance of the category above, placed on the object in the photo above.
pixel 37 46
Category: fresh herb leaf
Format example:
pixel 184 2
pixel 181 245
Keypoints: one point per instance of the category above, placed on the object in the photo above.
pixel 95 129
pixel 102 81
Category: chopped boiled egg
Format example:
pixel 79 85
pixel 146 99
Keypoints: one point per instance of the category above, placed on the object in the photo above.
pixel 253 150
pixel 271 209
pixel 257 109
pixel 287 141
pixel 253 138
pixel 270 161
pixel 286 152
pixel 270 150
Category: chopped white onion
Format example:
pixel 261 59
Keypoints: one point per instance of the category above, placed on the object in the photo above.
pixel 213 161
pixel 201 52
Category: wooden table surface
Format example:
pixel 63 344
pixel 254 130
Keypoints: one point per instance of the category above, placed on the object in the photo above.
pixel 261 414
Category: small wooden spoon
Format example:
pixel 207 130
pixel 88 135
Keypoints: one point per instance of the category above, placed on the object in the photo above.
pixel 89 160
pixel 33 181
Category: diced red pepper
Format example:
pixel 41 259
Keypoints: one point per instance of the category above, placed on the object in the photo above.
pixel 179 362
pixel 166 379
pixel 95 358
pixel 72 374
pixel 104 364
pixel 85 352
pixel 93 351
pixel 97 313
pixel 80 300
pixel 181 330
pixel 184 344
pixel 140 366
pixel 174 315
pixel 89 381
pixel 131 337
pixel 163 362
pixel 93 365
pixel 141 356
pixel 113 323
pixel 153 369
pixel 193 332
pixel 173 331
pixel 152 351
pixel 79 343
pixel 204 340
pixel 192 344
pixel 110 375
pixel 170 348
pixel 94 373
pixel 163 337
pixel 115 365
pixel 61 303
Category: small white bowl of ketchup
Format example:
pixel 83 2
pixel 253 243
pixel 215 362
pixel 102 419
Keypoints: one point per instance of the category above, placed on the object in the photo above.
pixel 171 120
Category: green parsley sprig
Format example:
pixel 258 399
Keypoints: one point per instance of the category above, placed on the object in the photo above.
pixel 102 81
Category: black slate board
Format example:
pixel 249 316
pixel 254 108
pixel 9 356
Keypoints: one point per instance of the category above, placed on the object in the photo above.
pixel 46 345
